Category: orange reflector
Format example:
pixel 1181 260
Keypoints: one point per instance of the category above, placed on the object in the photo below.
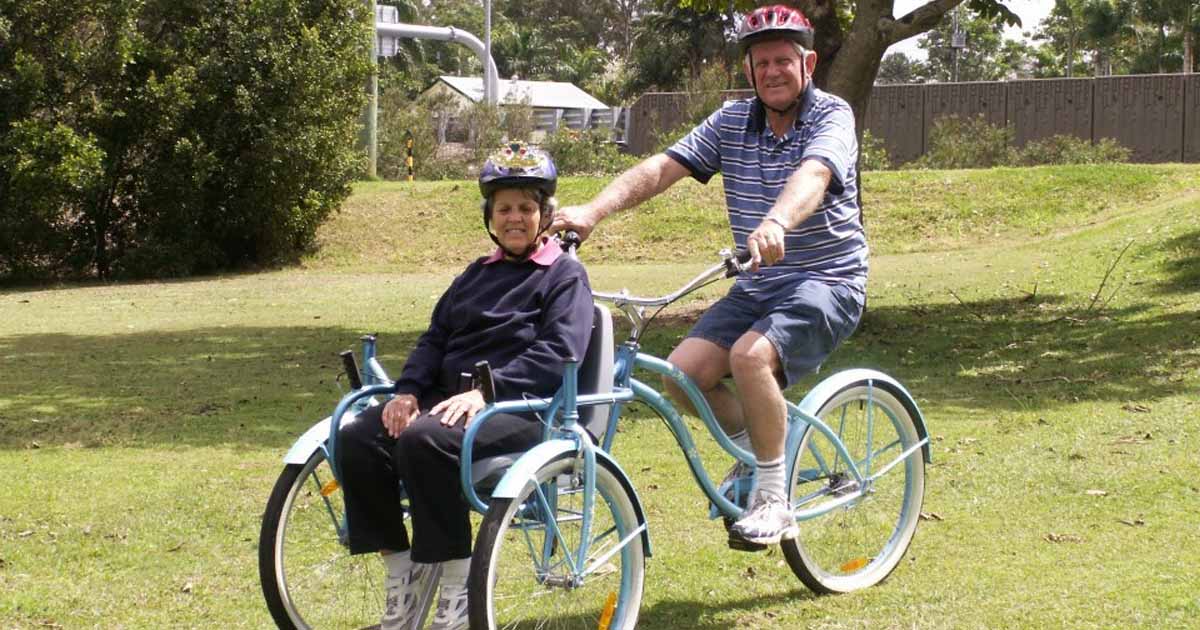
pixel 853 565
pixel 329 488
pixel 607 614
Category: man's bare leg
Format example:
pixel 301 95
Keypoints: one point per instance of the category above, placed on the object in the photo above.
pixel 706 364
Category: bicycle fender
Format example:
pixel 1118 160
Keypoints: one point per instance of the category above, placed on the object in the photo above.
pixel 525 469
pixel 841 380
pixel 308 443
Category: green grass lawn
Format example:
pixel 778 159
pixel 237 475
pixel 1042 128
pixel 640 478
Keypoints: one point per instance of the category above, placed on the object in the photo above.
pixel 142 425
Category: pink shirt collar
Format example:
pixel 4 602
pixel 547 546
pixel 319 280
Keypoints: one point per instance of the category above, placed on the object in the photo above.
pixel 547 253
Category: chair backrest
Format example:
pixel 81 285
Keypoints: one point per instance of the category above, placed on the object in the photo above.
pixel 596 372
pixel 595 377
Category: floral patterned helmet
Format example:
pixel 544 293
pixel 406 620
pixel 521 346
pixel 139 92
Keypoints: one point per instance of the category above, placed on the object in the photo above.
pixel 775 22
pixel 518 165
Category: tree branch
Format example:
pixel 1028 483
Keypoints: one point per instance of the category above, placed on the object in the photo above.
pixel 915 22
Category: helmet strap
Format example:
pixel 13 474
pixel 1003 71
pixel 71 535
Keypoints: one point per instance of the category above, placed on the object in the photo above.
pixel 543 224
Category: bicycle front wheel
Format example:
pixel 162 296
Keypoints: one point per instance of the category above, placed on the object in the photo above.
pixel 308 577
pixel 526 571
pixel 859 541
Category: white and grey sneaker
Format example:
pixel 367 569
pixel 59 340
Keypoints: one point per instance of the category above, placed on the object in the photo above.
pixel 737 481
pixel 451 609
pixel 768 521
pixel 408 598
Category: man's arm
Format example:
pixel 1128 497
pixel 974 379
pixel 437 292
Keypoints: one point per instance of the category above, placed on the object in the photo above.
pixel 800 198
pixel 649 178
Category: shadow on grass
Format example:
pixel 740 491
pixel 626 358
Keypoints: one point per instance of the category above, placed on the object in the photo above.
pixel 246 386
pixel 700 615
pixel 1021 353
pixel 1184 266
pixel 230 386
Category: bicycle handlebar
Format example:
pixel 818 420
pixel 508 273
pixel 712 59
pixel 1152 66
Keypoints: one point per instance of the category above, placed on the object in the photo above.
pixel 732 264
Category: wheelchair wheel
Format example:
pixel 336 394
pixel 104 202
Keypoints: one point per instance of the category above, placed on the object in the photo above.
pixel 309 578
pixel 859 543
pixel 522 573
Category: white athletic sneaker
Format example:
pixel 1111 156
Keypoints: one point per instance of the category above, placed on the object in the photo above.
pixel 408 598
pixel 768 521
pixel 741 473
pixel 451 609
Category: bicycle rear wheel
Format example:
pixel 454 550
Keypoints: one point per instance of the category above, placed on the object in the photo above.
pixel 308 577
pixel 859 543
pixel 521 576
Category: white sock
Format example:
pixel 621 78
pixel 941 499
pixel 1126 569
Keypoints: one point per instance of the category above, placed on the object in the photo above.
pixel 398 563
pixel 742 439
pixel 769 479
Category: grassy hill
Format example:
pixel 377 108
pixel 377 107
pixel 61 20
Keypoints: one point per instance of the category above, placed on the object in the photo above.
pixel 1048 321
pixel 391 225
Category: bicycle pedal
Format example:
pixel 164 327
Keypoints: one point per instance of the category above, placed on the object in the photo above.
pixel 737 543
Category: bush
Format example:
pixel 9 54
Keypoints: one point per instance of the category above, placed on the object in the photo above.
pixel 587 152
pixel 956 142
pixel 154 137
pixel 873 156
pixel 1065 149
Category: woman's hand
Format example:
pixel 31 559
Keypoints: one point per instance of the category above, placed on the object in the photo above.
pixel 464 405
pixel 398 412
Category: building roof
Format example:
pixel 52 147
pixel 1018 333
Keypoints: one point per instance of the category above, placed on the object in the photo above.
pixel 550 94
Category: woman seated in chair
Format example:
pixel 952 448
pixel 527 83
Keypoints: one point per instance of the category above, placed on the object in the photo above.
pixel 523 309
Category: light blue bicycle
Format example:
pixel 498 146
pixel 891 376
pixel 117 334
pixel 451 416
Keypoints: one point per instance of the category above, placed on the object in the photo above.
pixel 564 537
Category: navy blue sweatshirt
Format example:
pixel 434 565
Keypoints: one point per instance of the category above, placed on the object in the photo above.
pixel 523 318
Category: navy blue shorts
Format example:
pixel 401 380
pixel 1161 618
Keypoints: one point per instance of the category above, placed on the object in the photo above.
pixel 804 324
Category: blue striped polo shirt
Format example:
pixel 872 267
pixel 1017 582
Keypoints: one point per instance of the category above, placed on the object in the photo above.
pixel 736 141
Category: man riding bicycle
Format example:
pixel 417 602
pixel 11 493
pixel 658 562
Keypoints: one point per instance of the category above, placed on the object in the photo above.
pixel 788 163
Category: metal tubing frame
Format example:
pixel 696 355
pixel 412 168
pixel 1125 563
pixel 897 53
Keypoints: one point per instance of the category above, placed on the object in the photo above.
pixel 491 82
pixel 798 422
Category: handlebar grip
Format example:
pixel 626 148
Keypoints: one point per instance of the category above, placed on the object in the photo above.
pixel 570 240
pixel 737 263
pixel 483 372
pixel 351 368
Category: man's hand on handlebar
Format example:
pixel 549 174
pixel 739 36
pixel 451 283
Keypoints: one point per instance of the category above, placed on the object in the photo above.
pixel 580 219
pixel 398 412
pixel 765 244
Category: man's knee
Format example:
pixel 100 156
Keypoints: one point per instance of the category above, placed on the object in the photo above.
pixel 704 362
pixel 753 353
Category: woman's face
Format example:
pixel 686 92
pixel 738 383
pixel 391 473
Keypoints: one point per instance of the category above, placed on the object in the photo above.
pixel 516 216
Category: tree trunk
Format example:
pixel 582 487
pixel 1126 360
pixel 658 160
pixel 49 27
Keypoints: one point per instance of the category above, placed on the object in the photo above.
pixel 1071 52
pixel 848 62
pixel 1188 50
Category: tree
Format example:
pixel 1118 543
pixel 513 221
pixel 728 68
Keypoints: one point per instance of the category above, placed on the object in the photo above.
pixel 1104 22
pixel 675 44
pixel 898 67
pixel 853 35
pixel 153 137
pixel 1061 31
pixel 979 61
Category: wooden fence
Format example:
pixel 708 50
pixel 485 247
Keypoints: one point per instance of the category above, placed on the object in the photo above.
pixel 1156 116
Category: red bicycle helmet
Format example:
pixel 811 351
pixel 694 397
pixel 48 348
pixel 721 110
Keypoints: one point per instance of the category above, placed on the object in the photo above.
pixel 776 21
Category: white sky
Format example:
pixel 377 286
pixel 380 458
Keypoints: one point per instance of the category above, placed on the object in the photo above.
pixel 1030 11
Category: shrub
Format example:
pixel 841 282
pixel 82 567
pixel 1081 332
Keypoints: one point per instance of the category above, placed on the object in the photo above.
pixel 399 119
pixel 154 137
pixel 873 156
pixel 956 142
pixel 587 152
pixel 1066 149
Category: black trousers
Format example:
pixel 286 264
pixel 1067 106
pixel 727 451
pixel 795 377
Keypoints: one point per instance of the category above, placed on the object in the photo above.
pixel 426 458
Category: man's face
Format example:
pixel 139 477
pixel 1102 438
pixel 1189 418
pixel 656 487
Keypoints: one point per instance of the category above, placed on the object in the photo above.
pixel 780 72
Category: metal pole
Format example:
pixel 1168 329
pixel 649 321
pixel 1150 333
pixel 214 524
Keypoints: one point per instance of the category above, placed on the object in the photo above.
pixel 491 88
pixel 489 82
pixel 408 159
pixel 372 113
